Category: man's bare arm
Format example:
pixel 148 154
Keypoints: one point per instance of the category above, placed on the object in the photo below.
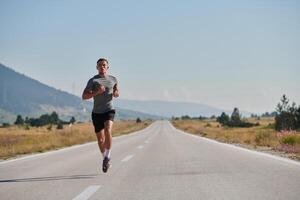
pixel 116 92
pixel 87 94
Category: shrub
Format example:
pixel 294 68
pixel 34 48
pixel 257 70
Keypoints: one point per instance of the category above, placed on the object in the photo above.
pixel 291 139
pixel 270 125
pixel 59 126
pixel 5 125
pixel 223 119
pixel 234 120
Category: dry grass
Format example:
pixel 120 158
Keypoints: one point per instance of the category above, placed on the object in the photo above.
pixel 254 137
pixel 16 140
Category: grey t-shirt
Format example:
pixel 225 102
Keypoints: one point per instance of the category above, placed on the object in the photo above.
pixel 103 102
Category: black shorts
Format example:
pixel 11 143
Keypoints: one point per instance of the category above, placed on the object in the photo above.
pixel 100 118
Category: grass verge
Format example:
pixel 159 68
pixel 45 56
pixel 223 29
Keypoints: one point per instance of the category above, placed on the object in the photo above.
pixel 16 140
pixel 262 137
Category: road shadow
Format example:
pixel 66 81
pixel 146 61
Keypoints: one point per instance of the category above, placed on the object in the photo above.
pixel 50 178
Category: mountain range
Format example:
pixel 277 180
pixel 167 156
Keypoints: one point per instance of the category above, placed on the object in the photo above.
pixel 23 95
pixel 170 109
pixel 20 94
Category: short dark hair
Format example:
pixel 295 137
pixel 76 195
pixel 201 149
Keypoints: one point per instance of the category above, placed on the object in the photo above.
pixel 102 59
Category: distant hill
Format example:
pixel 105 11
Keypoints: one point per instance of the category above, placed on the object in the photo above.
pixel 169 109
pixel 130 114
pixel 20 94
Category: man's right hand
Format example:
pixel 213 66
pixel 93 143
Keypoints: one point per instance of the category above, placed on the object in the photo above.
pixel 100 90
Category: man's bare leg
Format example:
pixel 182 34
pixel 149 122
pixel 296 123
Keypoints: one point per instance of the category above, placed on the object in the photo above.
pixel 108 137
pixel 101 141
pixel 107 144
pixel 108 134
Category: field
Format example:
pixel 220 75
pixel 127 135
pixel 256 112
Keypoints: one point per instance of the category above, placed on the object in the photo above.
pixel 15 140
pixel 262 137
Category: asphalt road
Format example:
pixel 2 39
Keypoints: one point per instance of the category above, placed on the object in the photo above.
pixel 159 162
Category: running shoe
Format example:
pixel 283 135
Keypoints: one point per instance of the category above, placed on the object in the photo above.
pixel 105 164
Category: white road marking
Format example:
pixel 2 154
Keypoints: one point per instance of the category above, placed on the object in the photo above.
pixel 147 142
pixel 140 147
pixel 88 192
pixel 127 158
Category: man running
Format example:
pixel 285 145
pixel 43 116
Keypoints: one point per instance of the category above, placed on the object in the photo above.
pixel 102 87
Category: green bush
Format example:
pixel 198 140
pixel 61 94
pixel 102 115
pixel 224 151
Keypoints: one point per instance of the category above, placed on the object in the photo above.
pixel 234 120
pixel 223 119
pixel 290 139
pixel 5 125
pixel 270 125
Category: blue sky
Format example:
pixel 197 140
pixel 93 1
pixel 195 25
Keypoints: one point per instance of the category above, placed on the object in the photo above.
pixel 225 54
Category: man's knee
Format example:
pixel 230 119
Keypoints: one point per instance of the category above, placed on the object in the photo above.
pixel 107 131
pixel 101 140
pixel 101 137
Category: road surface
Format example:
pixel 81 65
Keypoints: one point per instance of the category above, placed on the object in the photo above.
pixel 159 162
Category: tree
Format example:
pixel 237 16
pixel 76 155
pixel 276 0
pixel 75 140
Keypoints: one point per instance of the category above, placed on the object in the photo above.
pixel 54 119
pixel 72 120
pixel 285 121
pixel 283 106
pixel 44 120
pixel 223 119
pixel 267 114
pixel 19 120
pixel 235 116
pixel 202 117
pixel 138 120
pixel 286 118
pixel 27 121
pixel 184 117
pixel 234 120
pixel 253 115
pixel 298 117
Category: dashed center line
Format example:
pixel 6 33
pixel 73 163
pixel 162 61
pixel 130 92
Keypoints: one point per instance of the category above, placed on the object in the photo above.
pixel 87 193
pixel 140 147
pixel 127 158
